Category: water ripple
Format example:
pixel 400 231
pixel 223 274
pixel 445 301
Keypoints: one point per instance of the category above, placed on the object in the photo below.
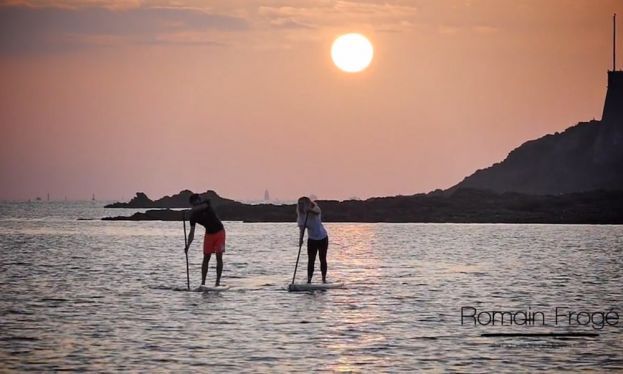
pixel 111 296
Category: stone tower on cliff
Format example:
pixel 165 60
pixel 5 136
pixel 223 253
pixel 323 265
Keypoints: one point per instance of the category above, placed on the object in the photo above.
pixel 613 107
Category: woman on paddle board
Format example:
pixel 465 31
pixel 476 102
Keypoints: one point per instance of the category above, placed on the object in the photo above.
pixel 214 239
pixel 308 217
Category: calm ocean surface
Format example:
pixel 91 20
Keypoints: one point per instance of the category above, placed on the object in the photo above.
pixel 104 296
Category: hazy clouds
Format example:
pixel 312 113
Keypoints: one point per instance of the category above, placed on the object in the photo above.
pixel 114 97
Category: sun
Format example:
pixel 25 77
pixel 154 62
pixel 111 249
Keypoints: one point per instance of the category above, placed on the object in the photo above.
pixel 352 52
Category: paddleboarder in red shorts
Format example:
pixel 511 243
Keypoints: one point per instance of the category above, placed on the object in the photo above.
pixel 214 239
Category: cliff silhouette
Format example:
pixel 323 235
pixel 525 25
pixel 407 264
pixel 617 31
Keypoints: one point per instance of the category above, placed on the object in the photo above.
pixel 571 177
pixel 463 206
pixel 585 157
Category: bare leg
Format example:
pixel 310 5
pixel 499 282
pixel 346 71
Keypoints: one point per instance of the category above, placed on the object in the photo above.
pixel 219 268
pixel 204 268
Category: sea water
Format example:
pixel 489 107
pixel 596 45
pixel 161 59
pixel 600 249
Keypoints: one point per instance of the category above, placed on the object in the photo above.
pixel 108 296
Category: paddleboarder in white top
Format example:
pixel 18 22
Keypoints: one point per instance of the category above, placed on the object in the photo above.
pixel 309 216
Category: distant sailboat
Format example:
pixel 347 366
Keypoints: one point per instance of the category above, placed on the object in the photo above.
pixel 93 197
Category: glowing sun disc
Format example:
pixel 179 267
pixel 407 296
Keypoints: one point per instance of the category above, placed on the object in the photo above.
pixel 352 52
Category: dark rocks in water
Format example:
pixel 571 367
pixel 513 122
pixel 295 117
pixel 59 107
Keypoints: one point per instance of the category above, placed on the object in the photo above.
pixel 179 200
pixel 235 211
pixel 139 201
pixel 461 206
pixel 151 215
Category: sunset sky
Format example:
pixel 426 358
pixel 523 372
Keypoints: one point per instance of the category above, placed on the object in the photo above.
pixel 114 97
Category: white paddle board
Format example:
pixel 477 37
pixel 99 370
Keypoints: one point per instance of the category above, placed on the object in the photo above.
pixel 298 287
pixel 212 288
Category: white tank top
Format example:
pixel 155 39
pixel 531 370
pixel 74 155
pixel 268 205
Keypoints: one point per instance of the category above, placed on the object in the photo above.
pixel 315 229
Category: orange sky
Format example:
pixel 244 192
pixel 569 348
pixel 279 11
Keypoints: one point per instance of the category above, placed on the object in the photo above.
pixel 114 97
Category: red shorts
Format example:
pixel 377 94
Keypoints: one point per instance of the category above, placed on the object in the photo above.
pixel 214 243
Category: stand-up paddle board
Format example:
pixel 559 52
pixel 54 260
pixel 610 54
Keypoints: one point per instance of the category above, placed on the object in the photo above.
pixel 212 288
pixel 298 287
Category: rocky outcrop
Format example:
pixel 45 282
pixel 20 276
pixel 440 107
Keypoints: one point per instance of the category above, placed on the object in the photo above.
pixel 179 200
pixel 571 177
pixel 462 206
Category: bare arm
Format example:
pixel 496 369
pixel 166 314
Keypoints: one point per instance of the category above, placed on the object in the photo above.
pixel 314 208
pixel 191 236
pixel 302 234
pixel 194 209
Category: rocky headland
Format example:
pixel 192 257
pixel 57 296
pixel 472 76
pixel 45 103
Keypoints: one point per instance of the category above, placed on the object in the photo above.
pixel 575 176
pixel 462 206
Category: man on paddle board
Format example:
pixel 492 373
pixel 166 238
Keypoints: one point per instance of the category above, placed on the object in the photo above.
pixel 214 239
pixel 308 216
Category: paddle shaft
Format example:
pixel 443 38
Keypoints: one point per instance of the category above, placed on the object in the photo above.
pixel 300 246
pixel 186 252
